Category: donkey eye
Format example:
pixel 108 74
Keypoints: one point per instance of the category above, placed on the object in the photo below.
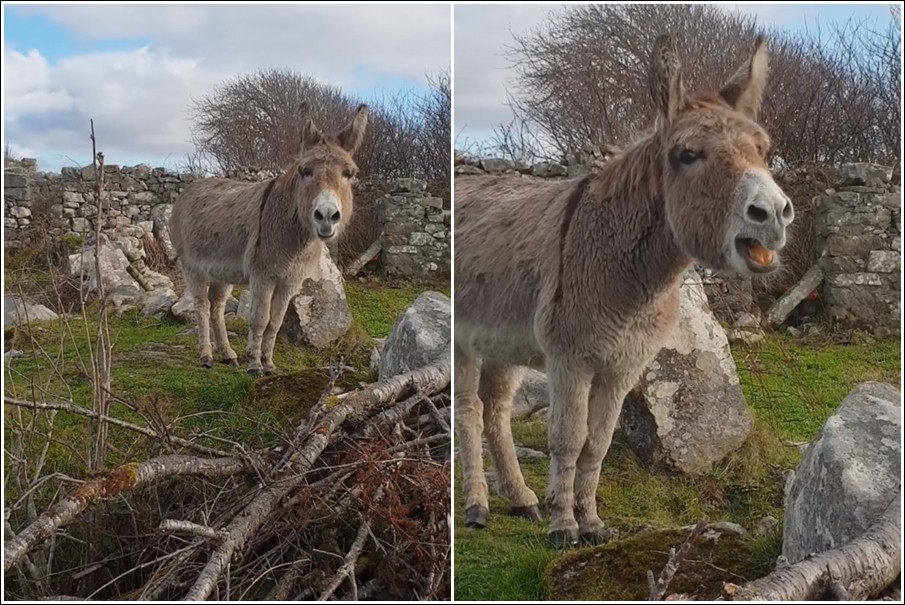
pixel 687 156
pixel 306 172
pixel 348 174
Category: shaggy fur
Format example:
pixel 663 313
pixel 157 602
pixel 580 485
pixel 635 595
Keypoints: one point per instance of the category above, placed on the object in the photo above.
pixel 581 278
pixel 267 235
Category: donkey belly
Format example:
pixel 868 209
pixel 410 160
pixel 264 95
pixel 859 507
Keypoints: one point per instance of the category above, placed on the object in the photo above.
pixel 509 343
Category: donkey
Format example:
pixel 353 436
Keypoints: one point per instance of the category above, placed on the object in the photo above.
pixel 268 235
pixel 581 278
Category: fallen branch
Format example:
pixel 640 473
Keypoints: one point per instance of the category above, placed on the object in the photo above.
pixel 187 527
pixel 367 256
pixel 867 565
pixel 657 590
pixel 110 485
pixel 65 406
pixel 347 569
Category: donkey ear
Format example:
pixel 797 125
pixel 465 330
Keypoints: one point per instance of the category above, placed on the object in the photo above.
pixel 311 135
pixel 745 89
pixel 350 138
pixel 665 78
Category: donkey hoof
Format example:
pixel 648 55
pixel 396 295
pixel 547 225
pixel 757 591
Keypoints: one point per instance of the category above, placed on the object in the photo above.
pixel 476 517
pixel 270 371
pixel 597 536
pixel 562 538
pixel 532 513
pixel 255 372
pixel 232 362
pixel 207 362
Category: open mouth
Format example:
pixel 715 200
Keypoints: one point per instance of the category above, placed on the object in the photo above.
pixel 758 258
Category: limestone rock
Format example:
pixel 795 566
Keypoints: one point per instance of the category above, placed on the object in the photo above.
pixel 158 302
pixel 689 411
pixel 319 314
pixel 17 312
pixel 420 337
pixel 848 475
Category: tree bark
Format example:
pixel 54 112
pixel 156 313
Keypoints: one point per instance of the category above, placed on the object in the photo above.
pixel 866 565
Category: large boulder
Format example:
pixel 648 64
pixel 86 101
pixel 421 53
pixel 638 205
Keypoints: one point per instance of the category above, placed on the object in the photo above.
pixel 531 396
pixel 120 287
pixel 17 311
pixel 319 315
pixel 688 411
pixel 420 337
pixel 848 475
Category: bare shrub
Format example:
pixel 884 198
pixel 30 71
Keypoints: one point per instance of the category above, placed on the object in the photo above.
pixel 254 120
pixel 833 94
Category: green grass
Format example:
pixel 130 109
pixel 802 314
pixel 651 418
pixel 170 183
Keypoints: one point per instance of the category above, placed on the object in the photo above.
pixel 155 369
pixel 791 387
pixel 376 306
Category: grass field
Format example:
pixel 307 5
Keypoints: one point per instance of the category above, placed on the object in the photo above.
pixel 792 386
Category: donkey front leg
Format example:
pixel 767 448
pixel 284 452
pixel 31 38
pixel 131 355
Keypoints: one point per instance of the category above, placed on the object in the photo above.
pixel 607 392
pixel 261 295
pixel 282 295
pixel 469 426
pixel 569 386
pixel 497 388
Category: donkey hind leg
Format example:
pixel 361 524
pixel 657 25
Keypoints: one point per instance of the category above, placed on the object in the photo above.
pixel 278 305
pixel 261 295
pixel 217 294
pixel 497 387
pixel 607 392
pixel 469 424
pixel 568 428
pixel 197 287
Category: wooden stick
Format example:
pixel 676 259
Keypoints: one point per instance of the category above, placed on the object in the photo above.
pixel 356 265
pixel 656 591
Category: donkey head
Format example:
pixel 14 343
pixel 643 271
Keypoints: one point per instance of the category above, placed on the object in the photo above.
pixel 326 170
pixel 723 206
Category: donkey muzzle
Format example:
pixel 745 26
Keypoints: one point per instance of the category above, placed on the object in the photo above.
pixel 326 214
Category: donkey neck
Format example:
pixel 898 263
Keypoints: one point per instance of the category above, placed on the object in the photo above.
pixel 283 233
pixel 631 255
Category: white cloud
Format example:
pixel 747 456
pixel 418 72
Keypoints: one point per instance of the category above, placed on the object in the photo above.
pixel 140 98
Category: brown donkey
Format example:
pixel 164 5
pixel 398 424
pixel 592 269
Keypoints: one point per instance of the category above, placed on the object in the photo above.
pixel 267 235
pixel 581 278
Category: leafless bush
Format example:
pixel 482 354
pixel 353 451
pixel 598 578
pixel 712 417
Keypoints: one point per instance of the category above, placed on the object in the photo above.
pixel 833 95
pixel 254 120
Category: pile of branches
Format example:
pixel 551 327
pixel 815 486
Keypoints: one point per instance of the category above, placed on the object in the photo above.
pixel 353 504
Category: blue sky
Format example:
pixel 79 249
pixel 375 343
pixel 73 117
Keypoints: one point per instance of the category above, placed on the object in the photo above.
pixel 136 68
pixel 482 33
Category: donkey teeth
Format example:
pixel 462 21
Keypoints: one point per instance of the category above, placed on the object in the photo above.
pixel 759 254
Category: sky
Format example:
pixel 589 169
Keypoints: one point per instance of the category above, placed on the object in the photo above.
pixel 136 68
pixel 483 32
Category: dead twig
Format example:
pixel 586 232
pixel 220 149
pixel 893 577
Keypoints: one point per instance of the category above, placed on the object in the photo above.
pixel 657 590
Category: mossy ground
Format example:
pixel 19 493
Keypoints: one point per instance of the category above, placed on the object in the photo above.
pixel 791 385
pixel 155 374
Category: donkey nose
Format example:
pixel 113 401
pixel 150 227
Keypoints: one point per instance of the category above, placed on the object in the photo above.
pixel 760 211
pixel 335 217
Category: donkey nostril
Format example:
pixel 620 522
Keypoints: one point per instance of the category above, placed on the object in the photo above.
pixel 318 215
pixel 757 214
pixel 335 217
pixel 787 211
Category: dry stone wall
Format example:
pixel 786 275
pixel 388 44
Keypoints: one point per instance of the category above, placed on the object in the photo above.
pixel 859 223
pixel 416 225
